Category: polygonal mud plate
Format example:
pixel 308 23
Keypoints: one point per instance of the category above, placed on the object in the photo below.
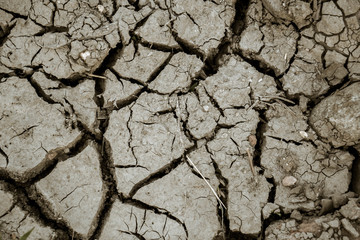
pixel 74 191
pixel 29 129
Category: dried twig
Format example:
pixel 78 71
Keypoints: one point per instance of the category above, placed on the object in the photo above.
pixel 212 189
pixel 250 158
pixel 271 97
pixel 194 166
pixel 95 76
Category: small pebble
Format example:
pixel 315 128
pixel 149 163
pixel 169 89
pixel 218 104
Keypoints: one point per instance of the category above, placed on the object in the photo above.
pixel 289 181
pixel 252 140
pixel 296 215
pixel 303 134
pixel 334 223
pixel 100 8
pixel 349 227
pixel 84 55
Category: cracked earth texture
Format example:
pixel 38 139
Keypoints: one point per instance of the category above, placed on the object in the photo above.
pixel 113 111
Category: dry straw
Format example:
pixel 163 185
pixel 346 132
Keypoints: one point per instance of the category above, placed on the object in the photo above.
pixel 194 166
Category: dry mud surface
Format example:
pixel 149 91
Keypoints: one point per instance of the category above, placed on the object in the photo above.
pixel 116 117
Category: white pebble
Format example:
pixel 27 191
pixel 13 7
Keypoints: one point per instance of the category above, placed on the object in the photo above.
pixel 289 181
pixel 84 55
pixel 304 134
pixel 206 108
pixel 100 8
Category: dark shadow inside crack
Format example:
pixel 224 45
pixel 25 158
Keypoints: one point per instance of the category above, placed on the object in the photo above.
pixel 50 29
pixel 103 147
pixel 110 59
pixel 4 33
pixel 260 129
pixel 257 64
pixel 159 46
pixel 15 15
pixel 272 193
pixel 355 171
pixel 215 60
pixel 155 175
pixel 241 7
pixel 2 152
pixel 272 218
pixel 157 71
pixel 239 235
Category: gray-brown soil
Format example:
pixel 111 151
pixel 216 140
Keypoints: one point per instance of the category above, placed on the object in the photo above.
pixel 180 119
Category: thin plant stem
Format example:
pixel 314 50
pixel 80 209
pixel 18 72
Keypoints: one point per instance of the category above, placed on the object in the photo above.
pixel 194 166
pixel 212 189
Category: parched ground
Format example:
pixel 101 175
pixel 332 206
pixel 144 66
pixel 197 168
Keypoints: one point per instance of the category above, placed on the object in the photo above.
pixel 180 119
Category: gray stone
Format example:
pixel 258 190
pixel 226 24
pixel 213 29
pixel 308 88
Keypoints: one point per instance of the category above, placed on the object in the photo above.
pixel 18 52
pixel 25 27
pixel 331 19
pixel 41 12
pixel 251 39
pixel 334 223
pixel 349 227
pixel 325 226
pixel 291 224
pixel 349 7
pixel 15 222
pixel 304 74
pixel 229 87
pixel 126 19
pixel 296 215
pixel 233 116
pixel 278 125
pixel 324 236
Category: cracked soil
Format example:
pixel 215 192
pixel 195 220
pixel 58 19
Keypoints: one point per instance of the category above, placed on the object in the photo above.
pixel 180 119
